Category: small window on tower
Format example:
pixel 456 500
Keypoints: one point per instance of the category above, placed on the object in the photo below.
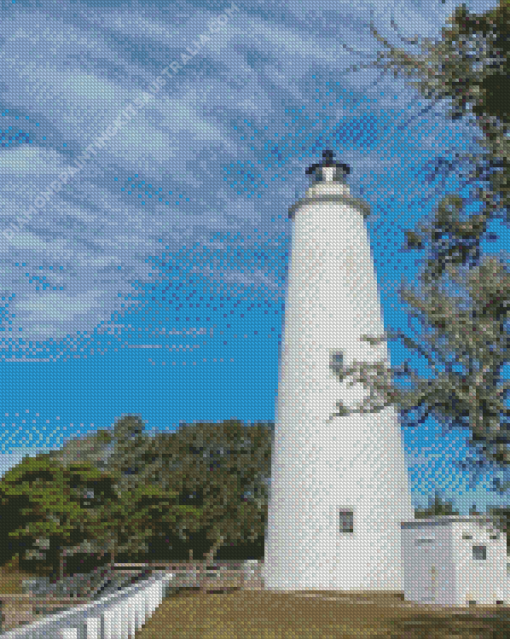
pixel 479 552
pixel 346 521
pixel 336 362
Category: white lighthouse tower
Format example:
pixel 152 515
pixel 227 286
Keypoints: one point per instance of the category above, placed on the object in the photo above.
pixel 339 487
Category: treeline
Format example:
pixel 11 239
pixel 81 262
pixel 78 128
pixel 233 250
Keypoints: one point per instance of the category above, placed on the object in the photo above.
pixel 121 494
pixel 500 515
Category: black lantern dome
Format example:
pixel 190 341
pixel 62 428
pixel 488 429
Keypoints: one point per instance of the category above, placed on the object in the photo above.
pixel 328 170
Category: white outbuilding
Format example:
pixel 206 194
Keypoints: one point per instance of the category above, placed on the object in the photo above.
pixel 454 561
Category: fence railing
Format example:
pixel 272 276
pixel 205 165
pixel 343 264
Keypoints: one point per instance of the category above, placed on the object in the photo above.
pixel 217 575
pixel 176 575
pixel 27 607
pixel 41 597
pixel 77 585
pixel 116 615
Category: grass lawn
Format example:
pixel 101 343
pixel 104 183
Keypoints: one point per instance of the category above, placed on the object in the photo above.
pixel 261 614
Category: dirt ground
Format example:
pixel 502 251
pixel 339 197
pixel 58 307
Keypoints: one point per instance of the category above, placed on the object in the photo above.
pixel 258 614
pixel 15 615
pixel 10 583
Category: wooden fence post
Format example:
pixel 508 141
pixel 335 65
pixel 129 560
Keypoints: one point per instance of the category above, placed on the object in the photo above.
pixel 202 574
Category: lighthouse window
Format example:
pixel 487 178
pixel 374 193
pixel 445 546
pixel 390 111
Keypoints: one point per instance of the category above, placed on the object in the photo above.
pixel 336 361
pixel 479 552
pixel 346 521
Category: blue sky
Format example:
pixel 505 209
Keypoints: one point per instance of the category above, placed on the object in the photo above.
pixel 153 282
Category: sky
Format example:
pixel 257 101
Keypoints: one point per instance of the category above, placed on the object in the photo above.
pixel 149 153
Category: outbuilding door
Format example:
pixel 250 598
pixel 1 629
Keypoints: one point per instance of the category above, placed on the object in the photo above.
pixel 427 570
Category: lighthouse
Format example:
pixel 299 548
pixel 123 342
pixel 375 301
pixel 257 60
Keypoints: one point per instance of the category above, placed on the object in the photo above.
pixel 339 487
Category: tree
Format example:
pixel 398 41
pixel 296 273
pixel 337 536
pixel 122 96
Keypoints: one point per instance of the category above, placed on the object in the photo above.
pixel 51 500
pixel 94 505
pixel 131 452
pixel 466 350
pixel 215 475
pixel 124 523
pixel 95 448
pixel 121 450
pixel 470 67
pixel 11 548
pixel 224 469
pixel 435 507
pixel 500 515
pixel 122 453
pixel 466 66
pixel 130 461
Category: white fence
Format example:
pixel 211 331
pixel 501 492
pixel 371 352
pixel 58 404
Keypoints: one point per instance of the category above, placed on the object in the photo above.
pixel 115 616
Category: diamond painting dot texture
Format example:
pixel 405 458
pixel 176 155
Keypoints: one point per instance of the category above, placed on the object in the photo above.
pixel 254 318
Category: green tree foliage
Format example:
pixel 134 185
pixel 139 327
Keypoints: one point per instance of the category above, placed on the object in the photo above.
pixel 125 522
pixel 205 485
pixel 52 501
pixel 465 347
pixel 130 454
pixel 500 515
pixel 437 506
pixel 94 448
pixel 223 468
pixel 466 350
pixel 468 67
pixel 121 450
pixel 122 524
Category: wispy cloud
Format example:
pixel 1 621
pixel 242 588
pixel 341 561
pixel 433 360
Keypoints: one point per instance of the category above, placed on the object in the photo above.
pixel 27 359
pixel 193 178
pixel 144 345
